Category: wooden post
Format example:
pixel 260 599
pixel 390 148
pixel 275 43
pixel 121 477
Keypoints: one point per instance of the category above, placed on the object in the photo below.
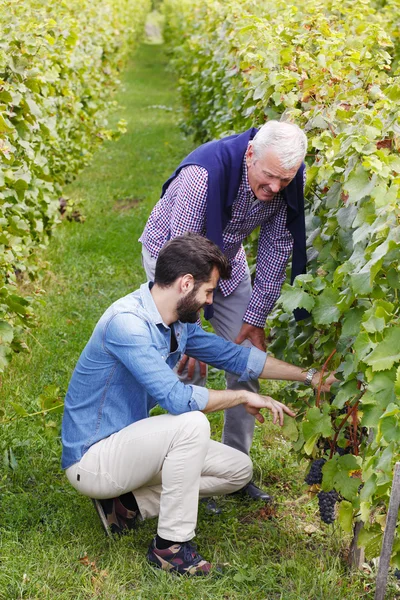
pixel 391 521
pixel 356 554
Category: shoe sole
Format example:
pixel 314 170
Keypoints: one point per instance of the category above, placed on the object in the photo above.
pixel 102 516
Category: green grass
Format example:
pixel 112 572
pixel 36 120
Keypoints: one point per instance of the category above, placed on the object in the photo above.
pixel 52 545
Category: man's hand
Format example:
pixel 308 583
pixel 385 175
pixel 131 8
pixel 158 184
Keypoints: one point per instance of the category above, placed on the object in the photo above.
pixel 256 335
pixel 255 402
pixel 191 364
pixel 326 383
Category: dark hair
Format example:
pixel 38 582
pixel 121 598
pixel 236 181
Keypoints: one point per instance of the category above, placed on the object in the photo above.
pixel 190 253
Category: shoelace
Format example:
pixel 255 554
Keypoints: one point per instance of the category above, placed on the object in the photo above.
pixel 189 553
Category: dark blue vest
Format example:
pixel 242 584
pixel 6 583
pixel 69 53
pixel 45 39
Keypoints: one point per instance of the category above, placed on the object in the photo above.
pixel 223 160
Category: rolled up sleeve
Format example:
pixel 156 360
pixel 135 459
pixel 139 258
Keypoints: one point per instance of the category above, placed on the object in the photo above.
pixel 220 353
pixel 200 396
pixel 255 364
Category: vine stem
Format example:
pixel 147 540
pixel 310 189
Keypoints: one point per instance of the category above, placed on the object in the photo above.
pixel 39 412
pixel 318 398
pixel 335 438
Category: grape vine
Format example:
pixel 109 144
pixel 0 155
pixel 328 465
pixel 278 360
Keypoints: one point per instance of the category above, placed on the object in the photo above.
pixel 332 67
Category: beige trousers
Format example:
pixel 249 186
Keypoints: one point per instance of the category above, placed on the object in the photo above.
pixel 167 461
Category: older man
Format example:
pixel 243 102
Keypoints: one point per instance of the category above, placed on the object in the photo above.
pixel 224 190
pixel 136 465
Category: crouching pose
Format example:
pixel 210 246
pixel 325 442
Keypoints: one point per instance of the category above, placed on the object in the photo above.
pixel 138 466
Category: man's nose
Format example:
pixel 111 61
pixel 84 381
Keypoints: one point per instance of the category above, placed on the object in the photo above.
pixel 210 300
pixel 275 185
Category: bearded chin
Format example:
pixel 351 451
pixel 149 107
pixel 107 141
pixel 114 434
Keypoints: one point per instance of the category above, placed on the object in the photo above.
pixel 186 316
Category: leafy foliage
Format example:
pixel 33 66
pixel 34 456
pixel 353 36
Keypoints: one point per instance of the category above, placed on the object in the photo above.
pixel 331 67
pixel 59 64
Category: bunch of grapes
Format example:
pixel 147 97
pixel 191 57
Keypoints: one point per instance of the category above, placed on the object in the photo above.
pixel 314 475
pixel 327 502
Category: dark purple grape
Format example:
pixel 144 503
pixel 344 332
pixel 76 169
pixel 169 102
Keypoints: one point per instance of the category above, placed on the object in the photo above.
pixel 314 475
pixel 327 502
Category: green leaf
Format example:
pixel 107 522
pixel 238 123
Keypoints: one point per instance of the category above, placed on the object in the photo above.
pixel 4 127
pixel 371 541
pixel 310 444
pixel 368 488
pixel 289 429
pixel 317 422
pixel 337 475
pixel 293 297
pixel 347 391
pixel 326 310
pixel 345 516
pixel 397 383
pixel 358 184
pixel 361 283
pixel 362 345
pixel 390 427
pixel 5 357
pixel 352 321
pixel 384 462
pixel 6 333
pixel 387 352
pixel 20 410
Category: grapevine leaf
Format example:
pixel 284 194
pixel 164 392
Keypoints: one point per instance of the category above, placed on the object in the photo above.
pixel 337 475
pixel 384 462
pixel 310 443
pixel 362 345
pixel 326 310
pixel 361 283
pixel 351 322
pixel 374 324
pixel 358 184
pixel 397 384
pixel 6 333
pixel 365 511
pixel 390 427
pixel 371 541
pixel 379 395
pixel 289 429
pixel 346 392
pixel 317 422
pixel 5 356
pixel 345 516
pixel 293 297
pixel 387 352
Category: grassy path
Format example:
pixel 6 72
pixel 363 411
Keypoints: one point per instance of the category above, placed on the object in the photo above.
pixel 52 546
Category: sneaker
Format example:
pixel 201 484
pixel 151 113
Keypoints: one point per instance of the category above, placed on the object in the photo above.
pixel 114 517
pixel 178 558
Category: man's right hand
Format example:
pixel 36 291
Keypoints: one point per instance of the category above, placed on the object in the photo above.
pixel 255 402
pixel 191 365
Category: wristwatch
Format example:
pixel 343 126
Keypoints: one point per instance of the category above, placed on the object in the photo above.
pixel 309 376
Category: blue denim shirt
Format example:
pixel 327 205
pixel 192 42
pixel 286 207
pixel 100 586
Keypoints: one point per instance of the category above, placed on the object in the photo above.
pixel 126 369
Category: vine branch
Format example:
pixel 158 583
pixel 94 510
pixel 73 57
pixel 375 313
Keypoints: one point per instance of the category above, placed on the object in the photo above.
pixel 324 366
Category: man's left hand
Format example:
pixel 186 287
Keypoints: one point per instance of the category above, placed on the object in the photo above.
pixel 256 335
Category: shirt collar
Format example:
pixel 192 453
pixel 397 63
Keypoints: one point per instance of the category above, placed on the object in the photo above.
pixel 149 304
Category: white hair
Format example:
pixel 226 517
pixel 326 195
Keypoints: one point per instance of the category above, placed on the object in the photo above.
pixel 287 140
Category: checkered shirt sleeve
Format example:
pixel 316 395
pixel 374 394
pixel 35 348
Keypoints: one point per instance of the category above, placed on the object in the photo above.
pixel 275 246
pixel 189 207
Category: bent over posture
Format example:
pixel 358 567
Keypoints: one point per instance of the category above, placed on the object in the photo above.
pixel 135 465
pixel 224 190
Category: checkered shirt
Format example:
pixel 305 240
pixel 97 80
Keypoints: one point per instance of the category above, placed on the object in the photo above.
pixel 183 208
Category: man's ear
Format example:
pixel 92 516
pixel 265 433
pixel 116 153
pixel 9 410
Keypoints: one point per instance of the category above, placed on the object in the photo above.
pixel 249 154
pixel 187 283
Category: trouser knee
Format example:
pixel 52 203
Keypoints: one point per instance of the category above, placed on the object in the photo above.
pixel 196 425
